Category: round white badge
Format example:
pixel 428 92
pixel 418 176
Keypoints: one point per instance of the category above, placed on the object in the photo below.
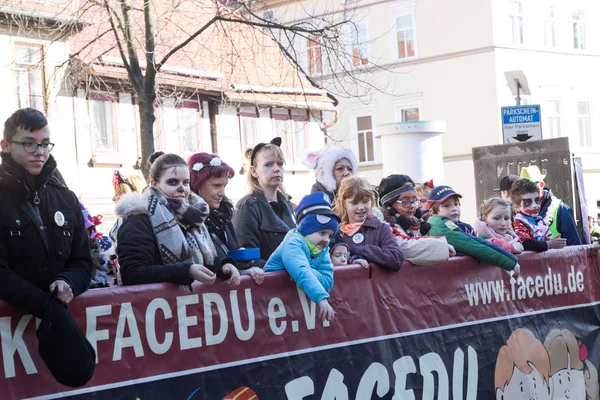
pixel 59 218
pixel 358 238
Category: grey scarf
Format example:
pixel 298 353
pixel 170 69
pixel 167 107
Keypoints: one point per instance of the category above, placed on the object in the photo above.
pixel 180 230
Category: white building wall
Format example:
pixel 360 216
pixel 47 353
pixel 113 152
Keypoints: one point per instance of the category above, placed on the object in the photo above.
pixel 463 49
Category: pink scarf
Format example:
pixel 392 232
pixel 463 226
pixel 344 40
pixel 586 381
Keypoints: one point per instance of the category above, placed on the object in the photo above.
pixel 485 231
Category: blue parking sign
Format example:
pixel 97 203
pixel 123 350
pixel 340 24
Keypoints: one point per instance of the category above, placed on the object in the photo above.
pixel 521 123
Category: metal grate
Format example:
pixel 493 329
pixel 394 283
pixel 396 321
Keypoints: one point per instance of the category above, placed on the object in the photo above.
pixel 552 156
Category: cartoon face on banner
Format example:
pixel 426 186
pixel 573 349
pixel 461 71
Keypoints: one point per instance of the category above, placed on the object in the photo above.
pixel 522 369
pixel 557 370
pixel 572 375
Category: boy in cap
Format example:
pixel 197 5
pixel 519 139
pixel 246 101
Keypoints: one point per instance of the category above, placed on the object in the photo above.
pixel 304 251
pixel 445 221
pixel 555 213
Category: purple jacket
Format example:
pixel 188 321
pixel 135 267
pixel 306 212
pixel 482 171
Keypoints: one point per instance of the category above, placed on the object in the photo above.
pixel 379 245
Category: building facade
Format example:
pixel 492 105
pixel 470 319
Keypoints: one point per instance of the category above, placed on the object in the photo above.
pixel 223 93
pixel 439 60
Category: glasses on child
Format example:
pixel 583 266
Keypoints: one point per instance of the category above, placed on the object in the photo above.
pixel 409 203
pixel 529 202
pixel 32 147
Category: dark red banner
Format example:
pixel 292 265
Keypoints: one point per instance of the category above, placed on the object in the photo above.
pixel 264 338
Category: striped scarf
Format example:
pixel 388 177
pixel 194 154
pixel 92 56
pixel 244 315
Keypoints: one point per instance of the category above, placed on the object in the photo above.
pixel 179 228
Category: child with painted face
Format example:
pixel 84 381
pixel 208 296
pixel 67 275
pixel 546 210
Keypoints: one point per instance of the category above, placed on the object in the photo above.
pixel 495 225
pixel 367 237
pixel 304 253
pixel 529 226
pixel 163 237
pixel 445 221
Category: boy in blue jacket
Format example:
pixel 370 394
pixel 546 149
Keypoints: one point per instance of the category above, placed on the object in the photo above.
pixel 304 251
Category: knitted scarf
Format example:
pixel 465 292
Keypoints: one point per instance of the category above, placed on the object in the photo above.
pixel 218 218
pixel 484 230
pixel 179 228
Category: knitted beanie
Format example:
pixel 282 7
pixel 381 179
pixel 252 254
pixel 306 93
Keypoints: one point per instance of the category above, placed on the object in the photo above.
pixel 312 223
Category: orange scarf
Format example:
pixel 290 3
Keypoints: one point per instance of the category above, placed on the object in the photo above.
pixel 351 229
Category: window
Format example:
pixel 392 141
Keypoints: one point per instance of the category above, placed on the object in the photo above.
pixel 551 127
pixel 359 45
pixel 299 134
pixel 549 28
pixel 293 132
pixel 29 75
pixel 405 33
pixel 315 59
pixel 364 127
pixel 102 108
pixel 584 120
pixel 249 130
pixel 410 114
pixel 189 114
pixel 515 13
pixel 578 29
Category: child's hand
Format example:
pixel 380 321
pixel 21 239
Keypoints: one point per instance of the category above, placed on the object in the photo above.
pixel 451 251
pixel 326 311
pixel 557 242
pixel 515 272
pixel 234 279
pixel 362 263
pixel 257 274
pixel 202 274
pixel 517 246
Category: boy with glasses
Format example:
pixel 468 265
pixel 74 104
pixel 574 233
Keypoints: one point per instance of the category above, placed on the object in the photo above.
pixel 533 232
pixel 45 258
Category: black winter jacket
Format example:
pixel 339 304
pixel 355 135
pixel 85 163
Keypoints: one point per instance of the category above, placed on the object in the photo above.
pixel 257 225
pixel 36 246
pixel 139 257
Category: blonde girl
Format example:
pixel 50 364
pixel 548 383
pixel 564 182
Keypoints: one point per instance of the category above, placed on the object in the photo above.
pixel 265 215
pixel 495 225
pixel 365 235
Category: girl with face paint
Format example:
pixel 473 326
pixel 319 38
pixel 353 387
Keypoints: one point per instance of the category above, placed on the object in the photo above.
pixel 163 237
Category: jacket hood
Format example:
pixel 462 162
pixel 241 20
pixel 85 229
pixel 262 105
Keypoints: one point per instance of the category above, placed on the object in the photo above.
pixel 323 161
pixel 132 204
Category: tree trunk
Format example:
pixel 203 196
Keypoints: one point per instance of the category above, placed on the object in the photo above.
pixel 147 118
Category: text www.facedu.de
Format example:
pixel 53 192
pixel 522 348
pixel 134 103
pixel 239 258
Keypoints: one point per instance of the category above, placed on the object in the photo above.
pixel 550 284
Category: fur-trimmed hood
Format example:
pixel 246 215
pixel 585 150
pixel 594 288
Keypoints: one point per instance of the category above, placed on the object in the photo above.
pixel 323 161
pixel 132 204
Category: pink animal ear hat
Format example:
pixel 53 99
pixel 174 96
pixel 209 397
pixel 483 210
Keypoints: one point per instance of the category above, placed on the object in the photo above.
pixel 323 161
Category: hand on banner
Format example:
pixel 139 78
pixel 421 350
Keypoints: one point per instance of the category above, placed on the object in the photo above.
pixel 362 263
pixel 326 311
pixel 516 244
pixel 515 272
pixel 202 274
pixel 64 291
pixel 234 279
pixel 557 242
pixel 451 251
pixel 257 274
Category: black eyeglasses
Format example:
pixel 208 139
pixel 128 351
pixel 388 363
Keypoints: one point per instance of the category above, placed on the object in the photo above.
pixel 32 147
pixel 408 203
pixel 529 202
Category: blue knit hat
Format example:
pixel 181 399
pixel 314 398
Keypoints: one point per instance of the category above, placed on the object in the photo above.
pixel 314 214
